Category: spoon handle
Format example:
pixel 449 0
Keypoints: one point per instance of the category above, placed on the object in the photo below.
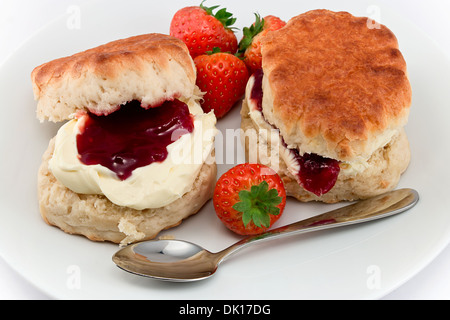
pixel 381 206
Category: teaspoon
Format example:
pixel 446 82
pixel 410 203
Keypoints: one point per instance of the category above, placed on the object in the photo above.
pixel 178 260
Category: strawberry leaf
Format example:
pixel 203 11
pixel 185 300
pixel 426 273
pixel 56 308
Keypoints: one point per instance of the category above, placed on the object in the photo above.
pixel 250 33
pixel 225 17
pixel 258 204
pixel 214 50
pixel 243 206
pixel 246 217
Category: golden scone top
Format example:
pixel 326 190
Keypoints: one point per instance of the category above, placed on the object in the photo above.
pixel 335 79
pixel 149 67
pixel 109 59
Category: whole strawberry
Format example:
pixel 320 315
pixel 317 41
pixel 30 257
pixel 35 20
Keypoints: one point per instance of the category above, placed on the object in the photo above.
pixel 223 78
pixel 250 44
pixel 249 198
pixel 202 30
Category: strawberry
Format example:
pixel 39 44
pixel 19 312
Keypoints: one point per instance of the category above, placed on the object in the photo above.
pixel 223 77
pixel 250 44
pixel 249 198
pixel 202 30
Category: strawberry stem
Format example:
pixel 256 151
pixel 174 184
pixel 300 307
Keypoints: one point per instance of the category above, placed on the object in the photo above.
pixel 258 204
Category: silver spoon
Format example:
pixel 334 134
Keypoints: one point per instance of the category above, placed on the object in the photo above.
pixel 177 260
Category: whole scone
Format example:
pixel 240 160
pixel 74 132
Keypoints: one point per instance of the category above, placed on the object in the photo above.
pixel 334 94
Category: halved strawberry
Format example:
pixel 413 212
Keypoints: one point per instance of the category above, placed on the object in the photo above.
pixel 202 30
pixel 249 198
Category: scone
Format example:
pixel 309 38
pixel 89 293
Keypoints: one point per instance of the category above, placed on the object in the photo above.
pixel 329 106
pixel 136 155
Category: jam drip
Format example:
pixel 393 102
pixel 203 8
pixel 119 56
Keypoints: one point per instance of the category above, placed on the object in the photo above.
pixel 317 174
pixel 257 92
pixel 132 137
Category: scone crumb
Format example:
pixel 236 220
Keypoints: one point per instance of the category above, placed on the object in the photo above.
pixel 129 229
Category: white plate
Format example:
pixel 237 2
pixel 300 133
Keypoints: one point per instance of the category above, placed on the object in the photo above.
pixel 360 262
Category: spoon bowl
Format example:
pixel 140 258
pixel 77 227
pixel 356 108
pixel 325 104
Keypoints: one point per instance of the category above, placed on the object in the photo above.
pixel 167 250
pixel 178 260
pixel 174 260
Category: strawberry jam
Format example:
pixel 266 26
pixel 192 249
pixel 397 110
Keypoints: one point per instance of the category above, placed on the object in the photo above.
pixel 257 92
pixel 317 174
pixel 132 137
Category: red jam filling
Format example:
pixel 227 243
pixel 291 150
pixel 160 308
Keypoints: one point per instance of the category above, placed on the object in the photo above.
pixel 317 174
pixel 257 92
pixel 132 136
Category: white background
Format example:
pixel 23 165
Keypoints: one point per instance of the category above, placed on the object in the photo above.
pixel 20 19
